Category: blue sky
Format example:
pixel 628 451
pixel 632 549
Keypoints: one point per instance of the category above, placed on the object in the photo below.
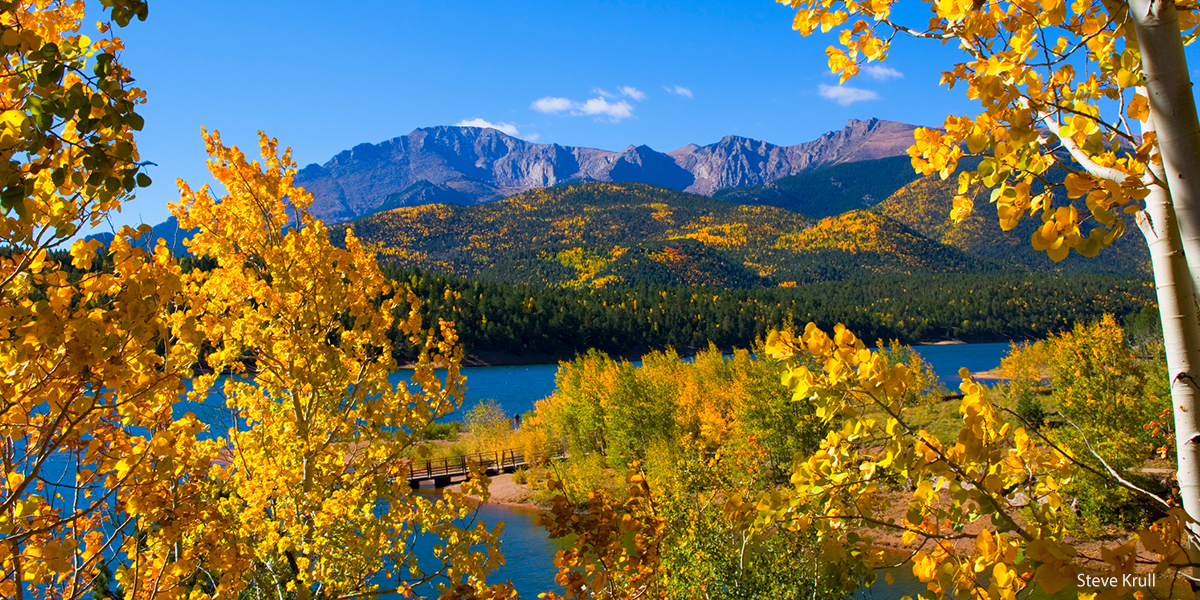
pixel 324 77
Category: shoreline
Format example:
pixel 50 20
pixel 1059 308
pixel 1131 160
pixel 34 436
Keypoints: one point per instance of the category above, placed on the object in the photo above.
pixel 503 491
pixel 989 375
pixel 501 358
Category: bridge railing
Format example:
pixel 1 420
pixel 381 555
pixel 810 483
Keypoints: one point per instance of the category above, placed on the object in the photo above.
pixel 487 461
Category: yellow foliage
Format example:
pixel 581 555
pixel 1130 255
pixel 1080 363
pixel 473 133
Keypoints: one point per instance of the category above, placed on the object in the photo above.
pixel 859 231
pixel 1019 64
pixel 1002 479
pixel 93 362
pixel 722 236
pixel 325 443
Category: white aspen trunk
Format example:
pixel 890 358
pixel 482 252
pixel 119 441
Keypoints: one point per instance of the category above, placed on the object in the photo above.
pixel 1174 108
pixel 1181 333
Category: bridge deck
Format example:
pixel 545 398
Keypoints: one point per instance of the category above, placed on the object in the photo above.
pixel 441 470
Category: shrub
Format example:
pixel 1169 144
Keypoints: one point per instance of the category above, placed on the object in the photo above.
pixel 443 431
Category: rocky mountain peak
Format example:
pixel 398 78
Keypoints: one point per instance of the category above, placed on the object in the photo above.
pixel 367 177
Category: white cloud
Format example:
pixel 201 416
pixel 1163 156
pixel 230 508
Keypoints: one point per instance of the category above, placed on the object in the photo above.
pixel 602 92
pixel 679 90
pixel 477 122
pixel 599 106
pixel 632 92
pixel 845 95
pixel 532 137
pixel 550 104
pixel 882 73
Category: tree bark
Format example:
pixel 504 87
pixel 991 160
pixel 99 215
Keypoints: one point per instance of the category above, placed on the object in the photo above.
pixel 1181 332
pixel 1169 85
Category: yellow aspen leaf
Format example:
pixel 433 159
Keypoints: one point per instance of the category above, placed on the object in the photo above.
pixel 1058 252
pixel 985 544
pixel 1078 184
pixel 1051 578
pixel 1188 19
pixel 1127 78
pixel 962 208
pixel 804 22
pixel 1002 575
pixel 26 507
pixel 1139 108
pixel 832 19
pixel 977 142
pixel 1152 541
pixel 924 567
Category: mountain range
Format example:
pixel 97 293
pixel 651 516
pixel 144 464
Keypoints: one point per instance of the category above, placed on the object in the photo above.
pixel 739 213
pixel 597 234
pixel 467 165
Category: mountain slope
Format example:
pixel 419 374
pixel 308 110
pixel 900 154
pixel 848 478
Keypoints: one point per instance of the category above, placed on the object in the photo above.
pixel 365 178
pixel 596 234
pixel 829 191
pixel 739 162
pixel 924 205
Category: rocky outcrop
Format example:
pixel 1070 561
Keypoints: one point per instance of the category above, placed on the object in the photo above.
pixel 739 162
pixel 469 164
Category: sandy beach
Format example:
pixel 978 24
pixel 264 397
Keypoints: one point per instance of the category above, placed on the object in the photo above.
pixel 506 492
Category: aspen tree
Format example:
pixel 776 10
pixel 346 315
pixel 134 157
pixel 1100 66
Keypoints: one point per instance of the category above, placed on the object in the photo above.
pixel 314 500
pixel 84 350
pixel 106 484
pixel 1100 90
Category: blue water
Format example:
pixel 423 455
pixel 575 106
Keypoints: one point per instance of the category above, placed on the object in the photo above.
pixel 528 553
pixel 517 388
pixel 948 358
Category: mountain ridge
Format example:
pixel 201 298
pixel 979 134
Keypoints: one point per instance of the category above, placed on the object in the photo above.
pixel 600 233
pixel 361 180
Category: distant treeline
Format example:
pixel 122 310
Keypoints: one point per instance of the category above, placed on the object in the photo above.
pixel 519 320
pixel 532 320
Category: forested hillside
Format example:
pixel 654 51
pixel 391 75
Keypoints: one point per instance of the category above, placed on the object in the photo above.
pixel 800 229
pixel 924 205
pixel 831 190
pixel 598 234
pixel 495 319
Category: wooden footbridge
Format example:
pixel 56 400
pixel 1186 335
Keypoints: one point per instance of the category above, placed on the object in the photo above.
pixel 441 470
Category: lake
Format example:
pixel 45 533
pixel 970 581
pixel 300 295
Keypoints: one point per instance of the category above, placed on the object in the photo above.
pixel 517 388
